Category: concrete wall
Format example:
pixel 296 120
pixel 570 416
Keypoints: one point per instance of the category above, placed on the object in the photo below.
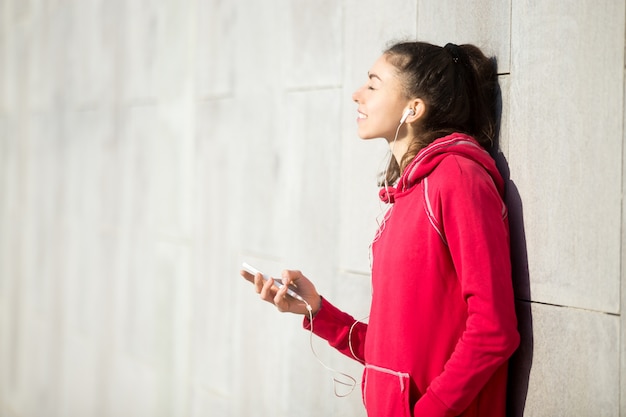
pixel 148 147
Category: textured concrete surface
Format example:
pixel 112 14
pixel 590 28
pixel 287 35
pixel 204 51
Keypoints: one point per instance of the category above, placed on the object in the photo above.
pixel 147 148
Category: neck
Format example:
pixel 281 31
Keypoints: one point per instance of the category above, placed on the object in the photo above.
pixel 400 144
pixel 398 149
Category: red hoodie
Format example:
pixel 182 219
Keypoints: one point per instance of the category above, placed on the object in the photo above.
pixel 442 322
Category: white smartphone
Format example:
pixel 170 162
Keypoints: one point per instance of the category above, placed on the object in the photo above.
pixel 290 289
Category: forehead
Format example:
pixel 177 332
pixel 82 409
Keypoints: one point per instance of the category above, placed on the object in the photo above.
pixel 383 70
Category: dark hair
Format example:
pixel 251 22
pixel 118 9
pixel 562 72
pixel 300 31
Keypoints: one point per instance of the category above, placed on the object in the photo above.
pixel 458 85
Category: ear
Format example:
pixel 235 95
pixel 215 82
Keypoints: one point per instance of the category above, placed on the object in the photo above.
pixel 419 106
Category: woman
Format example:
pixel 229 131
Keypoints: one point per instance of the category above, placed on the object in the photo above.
pixel 442 322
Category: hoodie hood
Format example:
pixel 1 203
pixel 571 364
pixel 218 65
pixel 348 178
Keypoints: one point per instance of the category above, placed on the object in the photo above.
pixel 429 157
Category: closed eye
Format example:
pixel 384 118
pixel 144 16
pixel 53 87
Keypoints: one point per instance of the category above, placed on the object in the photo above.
pixel 373 77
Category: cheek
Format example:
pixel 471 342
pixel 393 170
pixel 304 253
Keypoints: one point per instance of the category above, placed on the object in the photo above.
pixel 392 116
pixel 386 113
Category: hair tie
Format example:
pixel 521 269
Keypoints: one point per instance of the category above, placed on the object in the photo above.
pixel 454 51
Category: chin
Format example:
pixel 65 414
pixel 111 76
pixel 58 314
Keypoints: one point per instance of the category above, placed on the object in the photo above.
pixel 365 135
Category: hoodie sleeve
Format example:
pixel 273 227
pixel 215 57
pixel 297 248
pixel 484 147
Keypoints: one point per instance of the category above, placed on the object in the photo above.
pixel 333 325
pixel 473 217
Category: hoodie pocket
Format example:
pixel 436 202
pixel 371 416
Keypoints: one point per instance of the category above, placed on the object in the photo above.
pixel 385 392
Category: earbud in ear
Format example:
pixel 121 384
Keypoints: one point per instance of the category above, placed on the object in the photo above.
pixel 406 114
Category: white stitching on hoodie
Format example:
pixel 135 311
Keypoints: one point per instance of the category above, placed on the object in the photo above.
pixel 401 375
pixel 430 213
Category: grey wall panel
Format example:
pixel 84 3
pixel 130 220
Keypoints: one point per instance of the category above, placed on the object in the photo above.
pixel 156 49
pixel 565 147
pixel 313 44
pixel 623 299
pixel 4 62
pixel 140 22
pixel 310 184
pixel 258 45
pixel 91 53
pixel 217 171
pixel 7 162
pixel 217 23
pixel 572 347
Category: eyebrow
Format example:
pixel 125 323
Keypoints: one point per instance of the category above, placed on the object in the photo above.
pixel 370 75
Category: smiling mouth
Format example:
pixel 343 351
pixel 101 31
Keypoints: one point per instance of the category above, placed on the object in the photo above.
pixel 361 116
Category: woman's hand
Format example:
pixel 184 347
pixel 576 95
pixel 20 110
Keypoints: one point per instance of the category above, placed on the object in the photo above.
pixel 279 297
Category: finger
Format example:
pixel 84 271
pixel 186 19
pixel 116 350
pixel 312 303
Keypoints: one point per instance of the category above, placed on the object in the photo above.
pixel 268 290
pixel 280 299
pixel 259 282
pixel 248 276
pixel 290 277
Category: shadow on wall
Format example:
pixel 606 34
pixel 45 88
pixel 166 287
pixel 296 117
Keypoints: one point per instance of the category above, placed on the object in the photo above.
pixel 521 361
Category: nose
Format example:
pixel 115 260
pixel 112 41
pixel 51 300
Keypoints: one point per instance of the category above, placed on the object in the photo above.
pixel 356 95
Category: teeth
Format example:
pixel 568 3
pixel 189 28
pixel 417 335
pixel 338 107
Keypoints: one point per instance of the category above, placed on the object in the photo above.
pixel 362 116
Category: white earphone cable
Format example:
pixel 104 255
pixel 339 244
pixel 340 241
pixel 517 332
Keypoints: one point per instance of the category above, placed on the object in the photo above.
pixel 351 382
